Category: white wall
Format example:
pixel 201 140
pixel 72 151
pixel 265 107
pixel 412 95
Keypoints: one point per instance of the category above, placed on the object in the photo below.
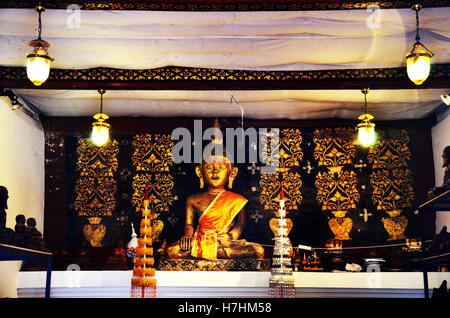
pixel 22 164
pixel 440 135
pixel 22 172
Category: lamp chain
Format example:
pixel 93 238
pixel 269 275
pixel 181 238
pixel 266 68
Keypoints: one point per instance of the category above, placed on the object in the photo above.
pixel 101 102
pixel 417 25
pixel 365 103
pixel 101 92
pixel 40 26
pixel 39 10
pixel 365 91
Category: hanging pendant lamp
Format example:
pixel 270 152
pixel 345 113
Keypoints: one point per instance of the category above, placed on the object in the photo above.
pixel 100 129
pixel 38 60
pixel 419 59
pixel 366 129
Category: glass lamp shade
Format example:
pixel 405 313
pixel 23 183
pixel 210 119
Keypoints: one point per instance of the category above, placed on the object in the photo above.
pixel 446 99
pixel 418 64
pixel 38 62
pixel 366 130
pixel 100 130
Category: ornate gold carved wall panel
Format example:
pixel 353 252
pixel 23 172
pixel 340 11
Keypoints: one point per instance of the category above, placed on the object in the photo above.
pixel 152 159
pixel 96 186
pixel 336 188
pixel 286 155
pixel 391 180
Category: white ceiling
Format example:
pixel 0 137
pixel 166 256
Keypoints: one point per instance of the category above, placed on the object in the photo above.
pixel 308 40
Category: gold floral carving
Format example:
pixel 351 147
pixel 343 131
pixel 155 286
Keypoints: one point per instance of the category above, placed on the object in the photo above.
pixel 152 153
pixel 271 189
pixel 336 188
pixel 291 153
pixel 391 180
pixel 152 159
pixel 334 147
pixel 284 153
pixel 391 150
pixel 159 185
pixel 337 191
pixel 392 189
pixel 270 153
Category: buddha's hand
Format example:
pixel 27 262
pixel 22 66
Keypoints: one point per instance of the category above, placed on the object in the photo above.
pixel 233 235
pixel 185 242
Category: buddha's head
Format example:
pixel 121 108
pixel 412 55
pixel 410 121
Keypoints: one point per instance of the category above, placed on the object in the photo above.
pixel 216 172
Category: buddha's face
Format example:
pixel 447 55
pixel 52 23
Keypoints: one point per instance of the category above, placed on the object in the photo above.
pixel 216 172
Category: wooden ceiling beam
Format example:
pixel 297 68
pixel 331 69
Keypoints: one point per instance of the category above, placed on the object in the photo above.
pixel 185 78
pixel 222 5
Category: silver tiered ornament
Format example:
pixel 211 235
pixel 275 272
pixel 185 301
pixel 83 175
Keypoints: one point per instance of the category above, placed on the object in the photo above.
pixel 281 282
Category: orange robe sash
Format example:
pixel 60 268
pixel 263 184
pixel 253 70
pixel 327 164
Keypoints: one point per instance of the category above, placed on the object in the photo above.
pixel 215 222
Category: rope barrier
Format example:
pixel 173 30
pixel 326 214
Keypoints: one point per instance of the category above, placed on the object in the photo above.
pixel 347 248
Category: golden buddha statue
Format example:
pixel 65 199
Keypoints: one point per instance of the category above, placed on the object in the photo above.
pixel 220 216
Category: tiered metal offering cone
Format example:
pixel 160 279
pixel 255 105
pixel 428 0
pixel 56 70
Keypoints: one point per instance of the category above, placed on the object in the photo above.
pixel 143 282
pixel 281 283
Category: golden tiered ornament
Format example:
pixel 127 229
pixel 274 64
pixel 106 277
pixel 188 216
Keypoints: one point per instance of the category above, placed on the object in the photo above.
pixel 143 282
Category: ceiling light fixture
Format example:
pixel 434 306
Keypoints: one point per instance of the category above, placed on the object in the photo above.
pixel 366 129
pixel 419 59
pixel 100 129
pixel 38 60
pixel 446 99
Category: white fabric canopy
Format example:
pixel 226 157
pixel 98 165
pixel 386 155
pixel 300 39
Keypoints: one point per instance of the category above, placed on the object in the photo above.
pixel 306 40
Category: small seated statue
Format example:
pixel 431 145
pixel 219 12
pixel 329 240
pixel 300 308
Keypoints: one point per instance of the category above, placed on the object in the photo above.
pixel 221 218
pixel 36 241
pixel 446 184
pixel 22 236
pixel 34 232
pixel 6 234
